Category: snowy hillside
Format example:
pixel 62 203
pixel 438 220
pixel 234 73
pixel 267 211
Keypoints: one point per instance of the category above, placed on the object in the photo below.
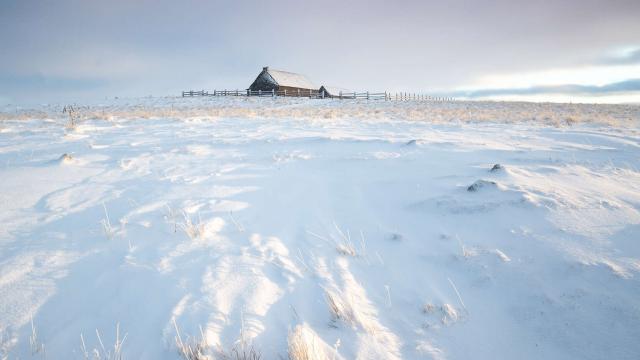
pixel 346 229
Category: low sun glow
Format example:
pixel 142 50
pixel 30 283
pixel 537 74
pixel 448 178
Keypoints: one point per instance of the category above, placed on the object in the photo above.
pixel 586 75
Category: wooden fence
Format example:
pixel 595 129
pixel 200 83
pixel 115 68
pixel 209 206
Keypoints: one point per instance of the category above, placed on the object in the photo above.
pixel 403 96
pixel 315 94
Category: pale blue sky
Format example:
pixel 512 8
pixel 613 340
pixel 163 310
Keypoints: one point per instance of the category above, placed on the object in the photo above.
pixel 78 50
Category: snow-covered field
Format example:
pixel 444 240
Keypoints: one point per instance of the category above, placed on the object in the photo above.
pixel 354 230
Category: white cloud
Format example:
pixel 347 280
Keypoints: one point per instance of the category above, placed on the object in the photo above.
pixel 597 75
pixel 571 98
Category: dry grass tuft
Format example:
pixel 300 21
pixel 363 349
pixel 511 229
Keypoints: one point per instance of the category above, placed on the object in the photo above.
pixel 242 353
pixel 194 230
pixel 304 344
pixel 191 348
pixel 339 308
pixel 197 348
pixel 36 346
pixel 102 353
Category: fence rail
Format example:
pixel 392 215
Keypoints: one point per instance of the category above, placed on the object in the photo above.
pixel 315 94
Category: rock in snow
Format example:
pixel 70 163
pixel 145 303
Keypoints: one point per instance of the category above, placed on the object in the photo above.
pixel 479 184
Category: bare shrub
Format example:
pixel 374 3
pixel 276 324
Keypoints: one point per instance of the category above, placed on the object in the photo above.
pixel 73 114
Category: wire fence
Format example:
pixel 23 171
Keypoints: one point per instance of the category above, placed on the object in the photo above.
pixel 315 94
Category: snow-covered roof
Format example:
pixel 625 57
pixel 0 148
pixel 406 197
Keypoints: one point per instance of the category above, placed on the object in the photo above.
pixel 334 90
pixel 285 78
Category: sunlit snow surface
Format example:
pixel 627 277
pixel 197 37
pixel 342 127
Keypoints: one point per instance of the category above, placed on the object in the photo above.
pixel 250 217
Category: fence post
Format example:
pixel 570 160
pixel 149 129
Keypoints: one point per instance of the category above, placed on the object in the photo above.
pixel 285 92
pixel 340 95
pixel 273 92
pixel 298 92
pixel 259 92
pixel 367 95
pixel 323 94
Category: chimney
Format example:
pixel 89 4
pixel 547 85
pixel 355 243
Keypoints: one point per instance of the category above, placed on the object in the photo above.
pixel 266 68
